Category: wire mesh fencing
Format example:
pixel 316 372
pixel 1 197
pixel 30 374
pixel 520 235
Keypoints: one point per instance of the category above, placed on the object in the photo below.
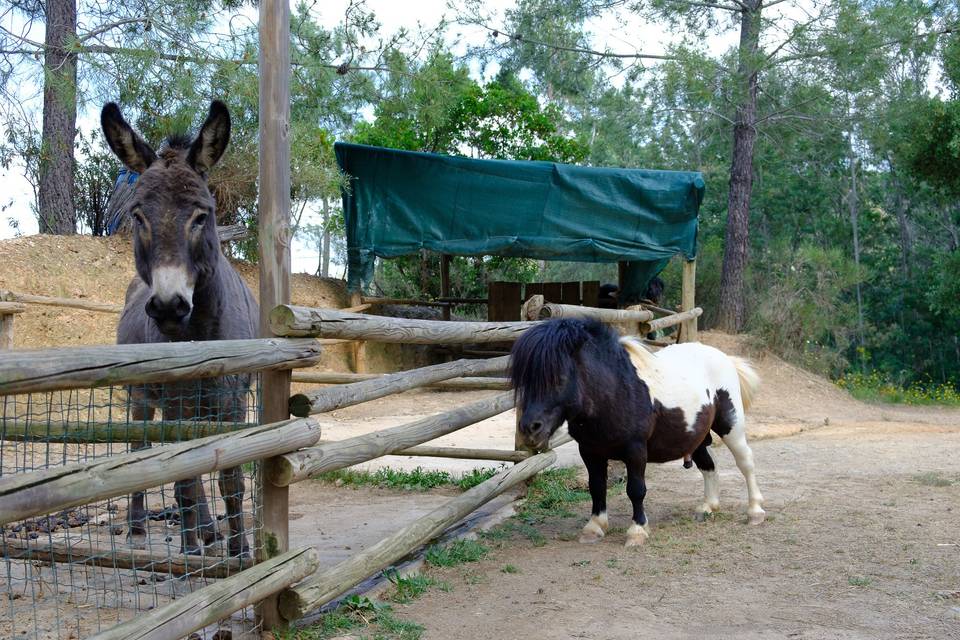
pixel 78 571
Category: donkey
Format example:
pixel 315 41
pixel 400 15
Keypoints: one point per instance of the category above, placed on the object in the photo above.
pixel 622 402
pixel 185 289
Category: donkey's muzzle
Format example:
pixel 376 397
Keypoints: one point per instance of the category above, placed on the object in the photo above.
pixel 170 311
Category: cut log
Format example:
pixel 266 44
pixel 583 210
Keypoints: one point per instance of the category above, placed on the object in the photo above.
pixel 330 583
pixel 84 367
pixel 329 399
pixel 454 384
pixel 608 316
pixel 300 465
pixel 289 320
pixel 24 495
pixel 232 232
pixel 217 601
pixel 117 558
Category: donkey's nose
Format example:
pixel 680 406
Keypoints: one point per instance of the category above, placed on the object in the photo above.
pixel 174 309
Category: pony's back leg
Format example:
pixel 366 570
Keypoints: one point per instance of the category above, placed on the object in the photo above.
pixel 711 481
pixel 736 441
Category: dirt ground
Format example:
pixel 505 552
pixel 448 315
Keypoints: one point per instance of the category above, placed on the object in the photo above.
pixel 862 538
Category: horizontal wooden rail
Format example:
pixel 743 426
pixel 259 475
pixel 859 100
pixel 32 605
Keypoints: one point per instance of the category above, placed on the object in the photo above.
pixel 83 367
pixel 464 453
pixel 330 583
pixel 289 320
pixel 454 384
pixel 300 465
pixel 329 399
pixel 24 495
pixel 549 310
pixel 11 307
pixel 83 432
pixel 117 558
pixel 675 319
pixel 214 602
pixel 71 303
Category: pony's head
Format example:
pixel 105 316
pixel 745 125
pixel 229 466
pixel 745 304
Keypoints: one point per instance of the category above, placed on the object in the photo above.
pixel 559 372
pixel 175 233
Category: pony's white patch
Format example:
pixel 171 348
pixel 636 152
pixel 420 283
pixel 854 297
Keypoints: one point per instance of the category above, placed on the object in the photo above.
pixel 595 529
pixel 170 281
pixel 637 535
pixel 711 492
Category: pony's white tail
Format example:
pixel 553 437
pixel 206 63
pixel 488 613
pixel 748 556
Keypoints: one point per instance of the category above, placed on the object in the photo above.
pixel 749 380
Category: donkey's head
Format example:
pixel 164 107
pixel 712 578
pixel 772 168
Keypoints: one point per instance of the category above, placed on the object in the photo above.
pixel 175 233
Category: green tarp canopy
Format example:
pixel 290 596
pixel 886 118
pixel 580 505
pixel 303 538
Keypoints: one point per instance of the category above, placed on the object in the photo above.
pixel 398 202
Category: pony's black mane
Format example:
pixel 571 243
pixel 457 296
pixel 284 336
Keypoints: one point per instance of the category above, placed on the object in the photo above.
pixel 542 355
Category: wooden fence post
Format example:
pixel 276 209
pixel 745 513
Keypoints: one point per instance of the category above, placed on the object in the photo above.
pixel 688 300
pixel 7 311
pixel 274 238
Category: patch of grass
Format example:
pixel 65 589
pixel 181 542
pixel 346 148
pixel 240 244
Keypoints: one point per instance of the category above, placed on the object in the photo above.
pixel 932 479
pixel 409 588
pixel 473 478
pixel 509 568
pixel 859 581
pixel 357 614
pixel 457 552
pixel 550 494
pixel 873 387
pixel 417 480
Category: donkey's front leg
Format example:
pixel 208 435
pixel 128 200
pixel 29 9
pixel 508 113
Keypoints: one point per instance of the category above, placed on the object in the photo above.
pixel 636 462
pixel 185 493
pixel 598 524
pixel 231 488
pixel 140 411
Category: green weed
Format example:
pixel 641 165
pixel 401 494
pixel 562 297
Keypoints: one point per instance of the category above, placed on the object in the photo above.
pixel 417 480
pixel 874 387
pixel 859 581
pixel 932 479
pixel 409 588
pixel 457 552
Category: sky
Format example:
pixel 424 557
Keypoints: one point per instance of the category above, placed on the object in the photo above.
pixel 15 191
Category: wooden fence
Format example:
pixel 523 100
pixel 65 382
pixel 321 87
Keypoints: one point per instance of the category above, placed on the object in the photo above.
pixel 290 450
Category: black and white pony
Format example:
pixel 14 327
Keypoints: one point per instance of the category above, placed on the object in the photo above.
pixel 622 402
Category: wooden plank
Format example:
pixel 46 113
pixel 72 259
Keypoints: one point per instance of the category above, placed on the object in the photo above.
pixel 591 293
pixel 23 495
pixel 334 581
pixel 232 232
pixel 70 303
pixel 121 558
pixel 532 289
pixel 300 465
pixel 454 384
pixel 218 600
pixel 289 320
pixel 688 300
pixel 552 291
pixel 83 432
pixel 675 319
pixel 503 301
pixel 570 293
pixel 304 404
pixel 274 237
pixel 84 367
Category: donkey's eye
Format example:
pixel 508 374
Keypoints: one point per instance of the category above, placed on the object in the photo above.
pixel 199 221
pixel 138 217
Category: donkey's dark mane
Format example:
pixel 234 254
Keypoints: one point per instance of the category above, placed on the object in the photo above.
pixel 543 354
pixel 179 140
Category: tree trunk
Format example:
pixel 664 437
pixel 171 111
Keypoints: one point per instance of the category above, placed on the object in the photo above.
pixel 854 206
pixel 57 213
pixel 325 249
pixel 732 307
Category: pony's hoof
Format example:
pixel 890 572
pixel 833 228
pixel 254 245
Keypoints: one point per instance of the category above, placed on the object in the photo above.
pixel 756 517
pixel 595 529
pixel 701 516
pixel 636 536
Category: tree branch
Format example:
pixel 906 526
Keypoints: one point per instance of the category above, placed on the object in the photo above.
pixel 823 52
pixel 519 38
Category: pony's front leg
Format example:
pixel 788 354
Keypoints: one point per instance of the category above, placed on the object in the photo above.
pixel 636 463
pixel 598 524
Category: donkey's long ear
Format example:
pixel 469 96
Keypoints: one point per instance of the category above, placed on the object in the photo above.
pixel 212 140
pixel 133 152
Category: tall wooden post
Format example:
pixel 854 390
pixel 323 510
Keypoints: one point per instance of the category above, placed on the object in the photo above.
pixel 688 300
pixel 445 260
pixel 274 207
